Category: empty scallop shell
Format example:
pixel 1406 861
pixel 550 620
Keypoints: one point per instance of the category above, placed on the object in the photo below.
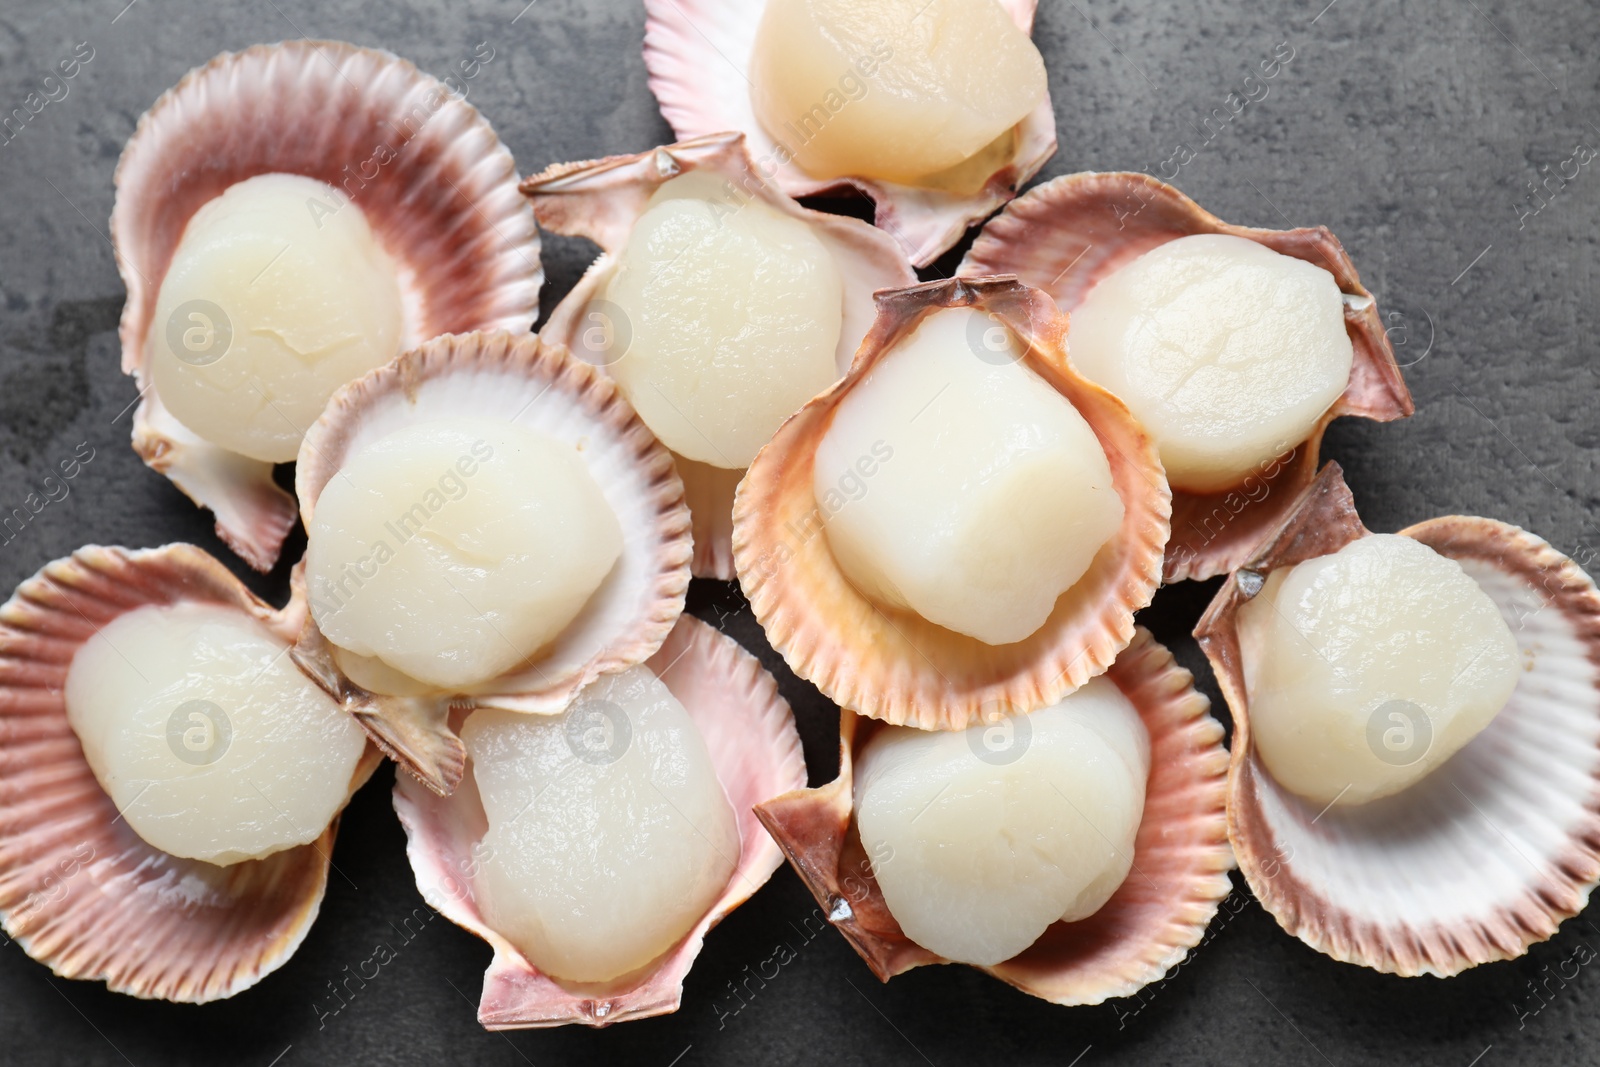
pixel 1490 852
pixel 895 665
pixel 698 53
pixel 750 735
pixel 444 206
pixel 80 891
pixel 602 199
pixel 515 378
pixel 1067 234
pixel 1180 864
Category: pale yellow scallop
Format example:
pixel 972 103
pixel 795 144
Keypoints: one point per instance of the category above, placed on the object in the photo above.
pixel 211 742
pixel 279 292
pixel 988 494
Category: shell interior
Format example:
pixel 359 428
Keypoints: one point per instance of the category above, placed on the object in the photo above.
pixel 441 197
pixel 697 52
pixel 750 734
pixel 520 379
pixel 1179 876
pixel 1487 854
pixel 894 665
pixel 1067 234
pixel 602 199
pixel 79 890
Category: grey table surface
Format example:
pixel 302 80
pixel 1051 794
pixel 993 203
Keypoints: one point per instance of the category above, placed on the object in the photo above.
pixel 1412 129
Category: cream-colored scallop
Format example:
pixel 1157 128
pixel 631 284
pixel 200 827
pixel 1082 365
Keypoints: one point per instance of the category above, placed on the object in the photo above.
pixel 278 294
pixel 981 838
pixel 1368 668
pixel 956 483
pixel 210 741
pixel 1227 351
pixel 728 315
pixel 454 549
pixel 900 90
pixel 609 835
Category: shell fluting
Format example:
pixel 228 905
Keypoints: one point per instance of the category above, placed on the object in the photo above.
pixel 1180 865
pixel 80 891
pixel 435 183
pixel 896 666
pixel 517 378
pixel 1492 850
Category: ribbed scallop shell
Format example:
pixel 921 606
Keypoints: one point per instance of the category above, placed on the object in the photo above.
pixel 1180 864
pixel 603 199
pixel 515 378
pixel 79 890
pixel 750 734
pixel 1490 852
pixel 698 54
pixel 895 665
pixel 445 207
pixel 1067 234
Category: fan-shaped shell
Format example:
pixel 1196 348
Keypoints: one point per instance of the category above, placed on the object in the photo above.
pixel 515 378
pixel 750 734
pixel 435 183
pixel 698 54
pixel 603 199
pixel 895 665
pixel 1491 851
pixel 1067 234
pixel 79 890
pixel 1180 864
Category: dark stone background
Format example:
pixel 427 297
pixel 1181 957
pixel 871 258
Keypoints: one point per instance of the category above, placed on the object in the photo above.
pixel 1412 129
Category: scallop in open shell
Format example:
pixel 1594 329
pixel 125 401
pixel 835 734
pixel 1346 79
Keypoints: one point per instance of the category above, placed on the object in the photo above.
pixel 895 665
pixel 750 735
pixel 1177 880
pixel 517 379
pixel 698 53
pixel 1069 233
pixel 80 891
pixel 602 199
pixel 1489 852
pixel 435 184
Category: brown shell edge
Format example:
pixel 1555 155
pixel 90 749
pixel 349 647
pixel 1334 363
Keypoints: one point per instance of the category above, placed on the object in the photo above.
pixel 892 666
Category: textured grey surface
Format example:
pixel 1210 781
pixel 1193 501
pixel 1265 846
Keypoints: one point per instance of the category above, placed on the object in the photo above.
pixel 1412 129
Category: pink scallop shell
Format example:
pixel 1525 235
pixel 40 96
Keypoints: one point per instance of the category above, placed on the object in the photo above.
pixel 1067 234
pixel 1492 850
pixel 79 890
pixel 895 665
pixel 751 736
pixel 517 378
pixel 697 52
pixel 1180 864
pixel 445 207
pixel 603 199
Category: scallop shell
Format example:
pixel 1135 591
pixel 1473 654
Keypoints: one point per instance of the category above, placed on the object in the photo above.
pixel 445 207
pixel 750 734
pixel 603 199
pixel 516 378
pixel 895 665
pixel 79 890
pixel 697 52
pixel 1489 853
pixel 1067 234
pixel 1180 864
